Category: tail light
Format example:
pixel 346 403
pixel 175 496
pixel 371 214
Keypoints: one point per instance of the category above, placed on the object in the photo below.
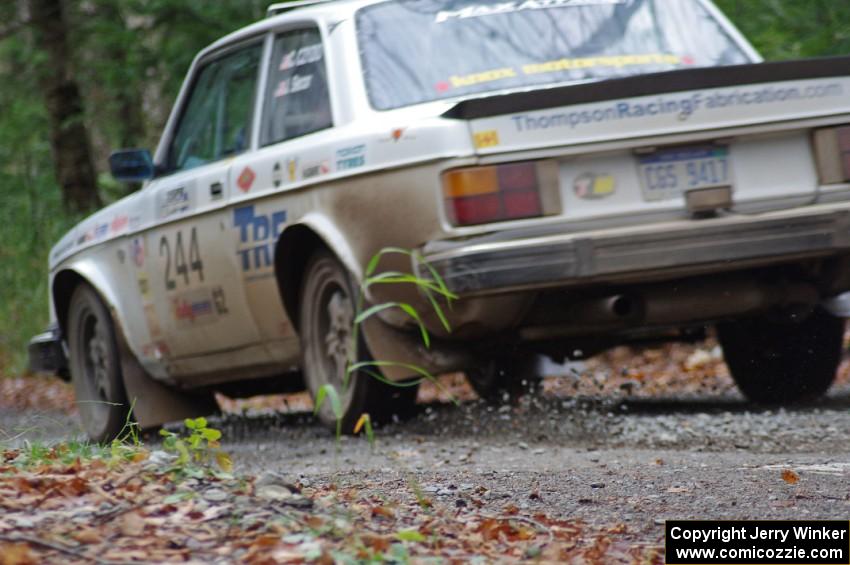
pixel 832 151
pixel 480 195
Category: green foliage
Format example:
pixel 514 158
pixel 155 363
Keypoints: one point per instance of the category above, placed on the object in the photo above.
pixel 410 535
pixel 329 392
pixel 129 57
pixel 433 288
pixel 36 454
pixel 199 450
pixel 791 29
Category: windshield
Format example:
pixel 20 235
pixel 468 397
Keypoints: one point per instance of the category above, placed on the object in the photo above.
pixel 417 51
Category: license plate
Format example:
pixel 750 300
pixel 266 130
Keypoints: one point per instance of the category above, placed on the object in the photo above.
pixel 671 172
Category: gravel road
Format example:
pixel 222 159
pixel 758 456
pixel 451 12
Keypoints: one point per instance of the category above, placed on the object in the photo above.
pixel 602 459
pixel 606 461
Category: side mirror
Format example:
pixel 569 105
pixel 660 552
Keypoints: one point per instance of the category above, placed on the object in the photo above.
pixel 132 165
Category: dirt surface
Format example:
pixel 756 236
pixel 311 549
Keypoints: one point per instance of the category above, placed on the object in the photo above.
pixel 603 443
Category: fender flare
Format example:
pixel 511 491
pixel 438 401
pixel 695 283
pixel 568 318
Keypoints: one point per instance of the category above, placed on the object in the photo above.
pixel 294 247
pixel 68 277
pixel 154 403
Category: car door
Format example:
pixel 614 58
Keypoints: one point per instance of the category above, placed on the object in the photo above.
pixel 295 135
pixel 198 299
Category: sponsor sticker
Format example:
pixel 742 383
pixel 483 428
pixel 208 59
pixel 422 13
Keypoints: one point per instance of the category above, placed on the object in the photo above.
pixel 137 251
pixel 483 139
pixel 590 186
pixel 482 77
pixel 292 169
pixel 351 157
pixel 144 285
pixel 293 85
pixel 481 10
pixel 257 236
pixel 246 179
pixel 174 201
pixel 303 56
pixel 316 169
pixel 398 135
pixel 119 225
pixel 197 307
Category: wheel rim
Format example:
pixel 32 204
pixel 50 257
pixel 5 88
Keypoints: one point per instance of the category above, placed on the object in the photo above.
pixel 93 350
pixel 339 317
pixel 332 339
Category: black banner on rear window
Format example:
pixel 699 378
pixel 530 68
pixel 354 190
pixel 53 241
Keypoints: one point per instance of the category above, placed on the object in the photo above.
pixel 801 541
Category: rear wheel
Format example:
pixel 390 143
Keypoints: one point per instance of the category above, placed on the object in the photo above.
pixel 504 377
pixel 783 362
pixel 96 366
pixel 326 321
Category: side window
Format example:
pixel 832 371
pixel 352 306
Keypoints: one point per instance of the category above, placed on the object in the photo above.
pixel 217 118
pixel 297 101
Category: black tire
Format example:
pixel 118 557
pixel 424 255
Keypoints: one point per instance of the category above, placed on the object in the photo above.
pixel 326 317
pixel 500 378
pixel 95 365
pixel 783 362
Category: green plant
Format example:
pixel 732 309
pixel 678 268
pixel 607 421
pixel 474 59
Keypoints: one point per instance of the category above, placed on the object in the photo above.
pixel 433 288
pixel 199 450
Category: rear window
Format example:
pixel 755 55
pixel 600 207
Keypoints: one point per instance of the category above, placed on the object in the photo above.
pixel 416 51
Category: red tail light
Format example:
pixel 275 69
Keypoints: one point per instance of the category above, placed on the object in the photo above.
pixel 480 195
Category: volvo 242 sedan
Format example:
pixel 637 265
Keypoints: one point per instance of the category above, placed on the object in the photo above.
pixel 581 174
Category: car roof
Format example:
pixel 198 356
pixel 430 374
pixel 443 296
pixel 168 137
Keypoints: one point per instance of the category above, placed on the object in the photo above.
pixel 331 10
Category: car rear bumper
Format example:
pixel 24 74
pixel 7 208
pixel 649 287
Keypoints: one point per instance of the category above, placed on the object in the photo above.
pixel 47 354
pixel 507 261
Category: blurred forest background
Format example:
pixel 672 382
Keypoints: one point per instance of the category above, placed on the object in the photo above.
pixel 95 75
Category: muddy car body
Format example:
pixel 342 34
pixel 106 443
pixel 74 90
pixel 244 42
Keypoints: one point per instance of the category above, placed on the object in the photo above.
pixel 581 173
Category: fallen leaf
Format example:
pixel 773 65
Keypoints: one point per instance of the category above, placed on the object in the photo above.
pixel 382 512
pixel 224 461
pixel 74 487
pixel 88 535
pixel 266 541
pixel 16 554
pixel 376 543
pixel 131 524
pixel 409 535
pixel 790 477
pixel 678 489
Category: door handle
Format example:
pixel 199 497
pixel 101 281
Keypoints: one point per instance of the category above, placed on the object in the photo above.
pixel 216 191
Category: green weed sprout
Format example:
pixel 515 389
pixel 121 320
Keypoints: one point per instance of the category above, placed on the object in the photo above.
pixel 433 288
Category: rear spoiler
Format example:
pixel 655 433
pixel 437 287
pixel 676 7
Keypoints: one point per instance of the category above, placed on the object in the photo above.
pixel 648 84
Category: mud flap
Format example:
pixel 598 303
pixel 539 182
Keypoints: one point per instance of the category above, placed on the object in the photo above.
pixel 389 344
pixel 153 402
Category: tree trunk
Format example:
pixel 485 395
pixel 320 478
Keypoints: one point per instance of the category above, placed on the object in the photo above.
pixel 131 124
pixel 69 138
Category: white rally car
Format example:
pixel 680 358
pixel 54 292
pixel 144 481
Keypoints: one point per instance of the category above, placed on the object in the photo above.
pixel 582 173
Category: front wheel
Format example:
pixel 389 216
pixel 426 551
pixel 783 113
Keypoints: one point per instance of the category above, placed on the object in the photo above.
pixel 326 323
pixel 96 366
pixel 775 362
